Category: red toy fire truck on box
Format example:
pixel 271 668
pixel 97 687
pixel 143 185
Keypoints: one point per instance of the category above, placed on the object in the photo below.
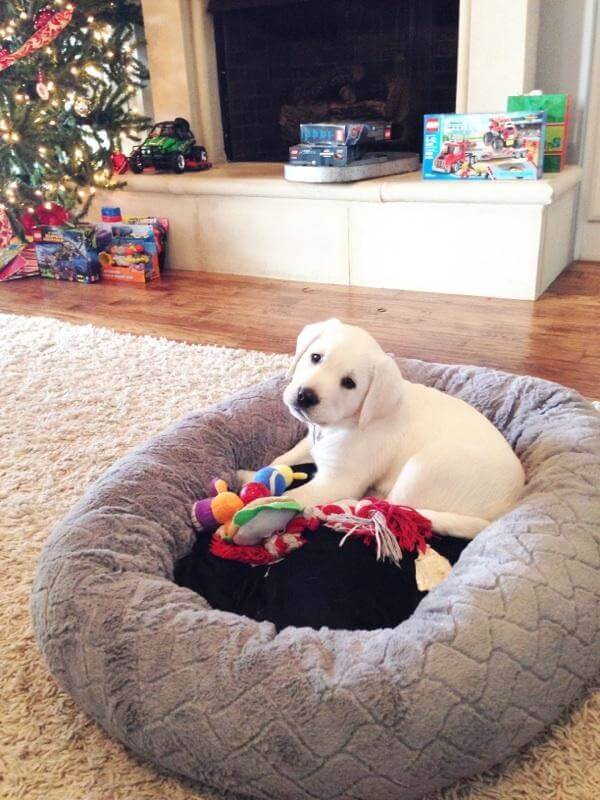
pixel 503 133
pixel 453 155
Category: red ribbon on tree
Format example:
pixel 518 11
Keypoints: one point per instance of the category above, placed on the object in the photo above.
pixel 45 214
pixel 49 28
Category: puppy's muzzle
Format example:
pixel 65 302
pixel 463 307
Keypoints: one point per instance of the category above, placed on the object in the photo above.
pixel 306 398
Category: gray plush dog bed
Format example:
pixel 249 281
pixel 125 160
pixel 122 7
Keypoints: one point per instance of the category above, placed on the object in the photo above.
pixel 487 660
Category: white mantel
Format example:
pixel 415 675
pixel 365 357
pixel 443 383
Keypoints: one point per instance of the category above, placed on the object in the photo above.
pixel 401 232
pixel 479 238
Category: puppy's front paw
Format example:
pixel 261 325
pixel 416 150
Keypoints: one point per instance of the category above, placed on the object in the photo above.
pixel 431 569
pixel 244 476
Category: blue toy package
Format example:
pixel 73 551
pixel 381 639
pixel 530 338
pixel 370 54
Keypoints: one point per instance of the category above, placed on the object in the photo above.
pixel 135 249
pixel 338 144
pixel 349 132
pixel 68 254
pixel 494 146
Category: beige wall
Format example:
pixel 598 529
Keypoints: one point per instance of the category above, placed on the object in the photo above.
pixel 496 53
pixel 183 70
pixel 564 58
pixel 588 239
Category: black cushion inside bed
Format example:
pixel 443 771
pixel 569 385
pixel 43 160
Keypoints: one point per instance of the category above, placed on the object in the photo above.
pixel 320 584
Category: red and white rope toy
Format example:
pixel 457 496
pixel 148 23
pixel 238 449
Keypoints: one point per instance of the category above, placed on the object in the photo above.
pixel 392 529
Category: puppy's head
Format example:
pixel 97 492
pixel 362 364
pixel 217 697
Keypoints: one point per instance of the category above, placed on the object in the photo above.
pixel 340 374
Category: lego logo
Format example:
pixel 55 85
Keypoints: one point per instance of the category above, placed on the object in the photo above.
pixel 432 125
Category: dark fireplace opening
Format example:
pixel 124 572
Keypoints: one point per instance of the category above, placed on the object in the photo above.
pixel 283 62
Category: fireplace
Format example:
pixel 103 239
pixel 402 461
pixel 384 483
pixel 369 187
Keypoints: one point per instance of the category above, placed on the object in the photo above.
pixel 282 62
pixel 399 232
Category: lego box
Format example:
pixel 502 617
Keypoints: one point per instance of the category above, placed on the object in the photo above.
pixel 494 146
pixel 324 155
pixel 337 144
pixel 67 254
pixel 558 118
pixel 134 249
pixel 349 132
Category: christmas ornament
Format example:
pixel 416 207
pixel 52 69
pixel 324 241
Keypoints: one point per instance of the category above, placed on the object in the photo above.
pixel 81 108
pixel 43 17
pixel 44 214
pixel 119 163
pixel 44 35
pixel 6 231
pixel 41 87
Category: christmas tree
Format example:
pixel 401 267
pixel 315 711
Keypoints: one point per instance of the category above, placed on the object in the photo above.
pixel 68 72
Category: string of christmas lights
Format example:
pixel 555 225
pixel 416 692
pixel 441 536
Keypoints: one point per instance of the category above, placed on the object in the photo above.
pixel 66 102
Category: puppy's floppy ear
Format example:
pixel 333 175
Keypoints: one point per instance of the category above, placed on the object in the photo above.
pixel 384 392
pixel 307 336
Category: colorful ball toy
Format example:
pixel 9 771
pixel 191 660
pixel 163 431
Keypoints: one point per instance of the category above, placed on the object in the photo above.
pixel 278 478
pixel 252 491
pixel 209 513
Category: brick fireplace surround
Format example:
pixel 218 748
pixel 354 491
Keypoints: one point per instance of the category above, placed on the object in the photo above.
pixel 480 238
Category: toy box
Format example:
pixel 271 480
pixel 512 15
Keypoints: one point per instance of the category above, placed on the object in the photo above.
pixel 324 155
pixel 337 144
pixel 558 118
pixel 68 254
pixel 349 132
pixel 134 251
pixel 494 146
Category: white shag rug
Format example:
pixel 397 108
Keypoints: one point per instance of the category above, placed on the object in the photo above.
pixel 73 399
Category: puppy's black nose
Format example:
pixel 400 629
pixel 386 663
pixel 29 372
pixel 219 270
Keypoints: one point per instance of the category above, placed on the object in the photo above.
pixel 307 398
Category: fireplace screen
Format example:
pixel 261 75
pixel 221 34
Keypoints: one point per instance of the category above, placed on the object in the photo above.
pixel 283 62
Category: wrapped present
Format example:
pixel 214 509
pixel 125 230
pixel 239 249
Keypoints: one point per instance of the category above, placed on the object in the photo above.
pixel 18 261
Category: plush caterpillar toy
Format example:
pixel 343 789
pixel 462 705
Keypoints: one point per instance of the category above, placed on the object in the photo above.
pixel 221 505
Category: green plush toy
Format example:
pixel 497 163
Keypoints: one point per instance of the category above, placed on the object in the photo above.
pixel 252 524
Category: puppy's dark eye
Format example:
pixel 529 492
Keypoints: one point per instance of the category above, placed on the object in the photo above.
pixel 348 383
pixel 315 357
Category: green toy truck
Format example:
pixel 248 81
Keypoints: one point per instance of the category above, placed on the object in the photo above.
pixel 171 147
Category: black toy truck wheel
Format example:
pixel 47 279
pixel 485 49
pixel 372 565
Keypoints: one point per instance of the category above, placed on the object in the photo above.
pixel 488 137
pixel 198 153
pixel 179 163
pixel 136 164
pixel 498 144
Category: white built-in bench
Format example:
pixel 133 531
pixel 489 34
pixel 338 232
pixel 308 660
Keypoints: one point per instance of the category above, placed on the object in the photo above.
pixel 508 239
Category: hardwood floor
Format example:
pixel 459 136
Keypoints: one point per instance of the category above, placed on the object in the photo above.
pixel 557 337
